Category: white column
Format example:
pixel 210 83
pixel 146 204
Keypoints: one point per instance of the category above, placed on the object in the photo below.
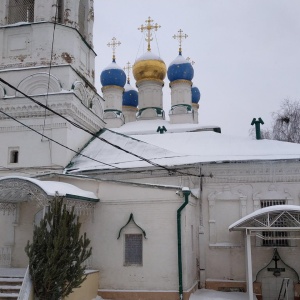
pixel 249 266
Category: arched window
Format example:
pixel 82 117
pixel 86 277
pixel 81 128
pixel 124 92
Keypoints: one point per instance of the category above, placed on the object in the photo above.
pixel 82 17
pixel 20 11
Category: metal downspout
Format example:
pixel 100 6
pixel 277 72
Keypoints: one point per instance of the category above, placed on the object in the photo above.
pixel 186 192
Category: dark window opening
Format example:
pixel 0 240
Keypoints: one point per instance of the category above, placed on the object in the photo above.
pixel 20 11
pixel 60 12
pixel 133 249
pixel 82 17
pixel 14 157
pixel 275 238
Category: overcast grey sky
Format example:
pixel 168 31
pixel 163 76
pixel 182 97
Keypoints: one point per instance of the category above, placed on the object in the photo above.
pixel 246 52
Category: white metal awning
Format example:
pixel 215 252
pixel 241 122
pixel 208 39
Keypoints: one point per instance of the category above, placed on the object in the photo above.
pixel 285 218
pixel 15 189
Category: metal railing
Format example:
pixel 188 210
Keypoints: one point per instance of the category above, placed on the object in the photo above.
pixel 26 288
pixel 5 257
pixel 283 293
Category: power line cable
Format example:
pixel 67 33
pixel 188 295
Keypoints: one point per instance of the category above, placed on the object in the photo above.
pixel 50 63
pixel 169 170
pixel 56 142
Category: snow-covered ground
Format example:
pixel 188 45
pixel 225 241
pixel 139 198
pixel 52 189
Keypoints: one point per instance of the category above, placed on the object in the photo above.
pixel 204 294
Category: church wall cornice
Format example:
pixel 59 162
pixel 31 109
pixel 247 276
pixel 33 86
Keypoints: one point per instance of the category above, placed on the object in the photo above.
pixel 64 104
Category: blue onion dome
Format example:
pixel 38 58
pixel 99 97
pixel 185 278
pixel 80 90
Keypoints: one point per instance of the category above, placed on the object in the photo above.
pixel 130 96
pixel 180 69
pixel 113 75
pixel 195 95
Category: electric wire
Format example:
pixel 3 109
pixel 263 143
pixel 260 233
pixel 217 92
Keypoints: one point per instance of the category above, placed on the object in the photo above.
pixel 169 170
pixel 56 142
pixel 50 63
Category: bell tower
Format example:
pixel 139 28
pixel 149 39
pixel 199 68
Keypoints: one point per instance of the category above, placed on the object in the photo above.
pixel 47 54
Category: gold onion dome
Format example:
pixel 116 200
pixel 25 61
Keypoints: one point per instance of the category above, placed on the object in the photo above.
pixel 149 67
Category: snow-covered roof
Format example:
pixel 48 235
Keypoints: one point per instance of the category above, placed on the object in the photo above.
pixel 51 188
pixel 178 148
pixel 150 127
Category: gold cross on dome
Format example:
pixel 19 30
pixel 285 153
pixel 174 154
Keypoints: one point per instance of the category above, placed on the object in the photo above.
pixel 114 44
pixel 180 36
pixel 149 27
pixel 190 61
pixel 127 69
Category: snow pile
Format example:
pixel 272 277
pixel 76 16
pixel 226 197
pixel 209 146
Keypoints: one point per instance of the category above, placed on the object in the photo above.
pixel 204 294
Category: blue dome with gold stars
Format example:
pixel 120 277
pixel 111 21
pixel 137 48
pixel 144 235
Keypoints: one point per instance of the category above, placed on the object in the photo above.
pixel 113 75
pixel 130 96
pixel 180 69
pixel 195 95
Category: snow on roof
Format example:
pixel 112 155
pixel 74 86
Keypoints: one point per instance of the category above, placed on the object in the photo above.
pixel 148 56
pixel 113 157
pixel 211 146
pixel 263 211
pixel 173 149
pixel 52 188
pixel 150 126
pixel 112 65
pixel 179 60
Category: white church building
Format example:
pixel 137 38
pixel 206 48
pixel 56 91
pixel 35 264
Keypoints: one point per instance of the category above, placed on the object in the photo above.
pixel 169 206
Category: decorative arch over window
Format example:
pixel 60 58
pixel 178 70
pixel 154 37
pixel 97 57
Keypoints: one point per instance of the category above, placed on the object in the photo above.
pixel 38 83
pixel 20 11
pixel 233 202
pixel 80 91
pixel 95 105
pixel 131 218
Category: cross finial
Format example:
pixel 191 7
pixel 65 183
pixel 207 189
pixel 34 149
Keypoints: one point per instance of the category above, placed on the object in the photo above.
pixel 127 69
pixel 149 27
pixel 114 44
pixel 190 60
pixel 180 36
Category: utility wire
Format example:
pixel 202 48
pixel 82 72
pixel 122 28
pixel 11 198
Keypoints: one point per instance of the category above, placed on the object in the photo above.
pixel 56 142
pixel 50 64
pixel 169 170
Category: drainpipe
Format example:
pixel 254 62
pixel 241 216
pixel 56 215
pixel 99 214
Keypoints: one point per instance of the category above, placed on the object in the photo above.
pixel 186 192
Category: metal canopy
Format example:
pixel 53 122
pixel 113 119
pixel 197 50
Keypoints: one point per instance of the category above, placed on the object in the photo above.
pixel 14 190
pixel 272 218
pixel 277 218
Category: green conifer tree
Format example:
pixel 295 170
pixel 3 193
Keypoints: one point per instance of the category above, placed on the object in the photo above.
pixel 57 253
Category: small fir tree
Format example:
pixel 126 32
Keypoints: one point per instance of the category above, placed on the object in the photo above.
pixel 57 253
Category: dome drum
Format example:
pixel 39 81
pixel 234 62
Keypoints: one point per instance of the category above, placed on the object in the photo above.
pixel 180 81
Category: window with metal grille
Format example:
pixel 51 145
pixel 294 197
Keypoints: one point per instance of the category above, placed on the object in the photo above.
pixel 279 236
pixel 20 11
pixel 133 249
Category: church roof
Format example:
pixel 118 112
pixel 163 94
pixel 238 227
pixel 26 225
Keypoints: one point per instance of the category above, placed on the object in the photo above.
pixel 177 148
